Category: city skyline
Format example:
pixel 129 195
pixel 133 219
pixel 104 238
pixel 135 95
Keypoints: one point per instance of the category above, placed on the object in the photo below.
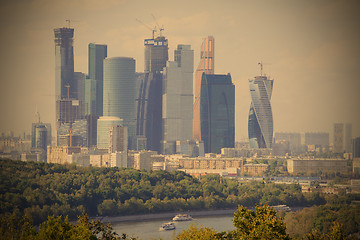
pixel 310 49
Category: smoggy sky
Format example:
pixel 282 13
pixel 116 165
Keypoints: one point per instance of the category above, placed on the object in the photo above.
pixel 310 48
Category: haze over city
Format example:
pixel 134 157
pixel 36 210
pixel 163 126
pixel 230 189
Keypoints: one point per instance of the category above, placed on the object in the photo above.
pixel 310 48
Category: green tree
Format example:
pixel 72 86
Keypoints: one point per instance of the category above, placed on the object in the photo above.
pixel 197 233
pixel 261 224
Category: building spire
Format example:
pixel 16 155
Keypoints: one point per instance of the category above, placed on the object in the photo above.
pixel 36 116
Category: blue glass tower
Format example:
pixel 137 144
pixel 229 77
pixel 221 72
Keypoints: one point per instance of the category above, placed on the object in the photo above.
pixel 260 125
pixel 217 112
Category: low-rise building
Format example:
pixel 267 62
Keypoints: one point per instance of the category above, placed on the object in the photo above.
pixel 316 165
pixel 252 169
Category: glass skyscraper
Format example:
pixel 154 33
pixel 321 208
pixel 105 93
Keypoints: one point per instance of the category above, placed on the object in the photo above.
pixel 217 112
pixel 149 94
pixel 206 66
pixel 178 97
pixel 120 90
pixel 97 54
pixel 64 63
pixel 260 126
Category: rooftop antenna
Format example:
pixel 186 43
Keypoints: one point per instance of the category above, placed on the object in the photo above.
pixel 68 22
pixel 160 28
pixel 152 29
pixel 261 68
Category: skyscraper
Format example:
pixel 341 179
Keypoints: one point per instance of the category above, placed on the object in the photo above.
pixel 97 54
pixel 40 134
pixel 260 126
pixel 64 62
pixel 338 146
pixel 217 112
pixel 120 91
pixel 149 94
pixel 178 97
pixel 342 137
pixel 206 66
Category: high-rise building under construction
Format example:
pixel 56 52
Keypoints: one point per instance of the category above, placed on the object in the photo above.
pixel 68 92
pixel 149 94
pixel 64 62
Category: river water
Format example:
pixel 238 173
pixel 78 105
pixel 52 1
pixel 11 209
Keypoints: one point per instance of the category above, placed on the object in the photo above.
pixel 150 229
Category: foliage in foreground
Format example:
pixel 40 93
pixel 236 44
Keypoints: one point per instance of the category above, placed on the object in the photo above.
pixel 263 223
pixel 259 224
pixel 57 228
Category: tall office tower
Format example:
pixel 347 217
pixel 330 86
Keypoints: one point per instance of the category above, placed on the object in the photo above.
pixel 217 112
pixel 120 92
pixel 294 140
pixel 118 139
pixel 79 86
pixel 260 126
pixel 206 66
pixel 149 95
pixel 90 97
pixel 64 63
pixel 178 99
pixel 356 147
pixel 149 111
pixel 40 134
pixel 104 125
pixel 338 146
pixel 156 54
pixel 342 137
pixel 348 137
pixel 97 54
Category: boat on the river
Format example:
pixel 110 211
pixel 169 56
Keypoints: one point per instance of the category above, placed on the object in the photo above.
pixel 281 207
pixel 182 217
pixel 167 226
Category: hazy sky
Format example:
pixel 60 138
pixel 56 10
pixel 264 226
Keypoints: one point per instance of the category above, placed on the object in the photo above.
pixel 310 48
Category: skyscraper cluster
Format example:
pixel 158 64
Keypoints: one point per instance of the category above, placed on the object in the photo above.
pixel 158 107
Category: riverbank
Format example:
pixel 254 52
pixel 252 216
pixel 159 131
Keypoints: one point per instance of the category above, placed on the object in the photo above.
pixel 167 215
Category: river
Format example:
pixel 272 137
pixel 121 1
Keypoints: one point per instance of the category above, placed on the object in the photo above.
pixel 149 229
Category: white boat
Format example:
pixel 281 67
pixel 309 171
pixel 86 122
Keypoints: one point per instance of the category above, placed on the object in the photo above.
pixel 182 217
pixel 281 207
pixel 167 226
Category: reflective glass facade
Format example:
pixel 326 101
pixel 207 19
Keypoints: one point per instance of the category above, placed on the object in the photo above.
pixel 97 54
pixel 217 112
pixel 149 110
pixel 206 65
pixel 120 90
pixel 64 62
pixel 260 126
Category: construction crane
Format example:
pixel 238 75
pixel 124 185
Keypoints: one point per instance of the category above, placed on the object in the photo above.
pixel 160 28
pixel 152 29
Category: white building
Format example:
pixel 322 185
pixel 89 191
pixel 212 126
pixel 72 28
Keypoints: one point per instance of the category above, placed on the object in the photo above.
pixel 103 129
pixel 119 159
pixel 178 98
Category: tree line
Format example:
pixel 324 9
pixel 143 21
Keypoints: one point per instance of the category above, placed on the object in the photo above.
pixel 38 190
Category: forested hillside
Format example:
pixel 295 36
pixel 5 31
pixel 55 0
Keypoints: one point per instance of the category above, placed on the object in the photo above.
pixel 38 190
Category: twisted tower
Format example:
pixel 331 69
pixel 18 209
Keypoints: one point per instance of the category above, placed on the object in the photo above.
pixel 260 125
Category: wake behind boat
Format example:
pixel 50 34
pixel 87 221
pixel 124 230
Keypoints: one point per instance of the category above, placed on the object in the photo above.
pixel 182 217
pixel 167 226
